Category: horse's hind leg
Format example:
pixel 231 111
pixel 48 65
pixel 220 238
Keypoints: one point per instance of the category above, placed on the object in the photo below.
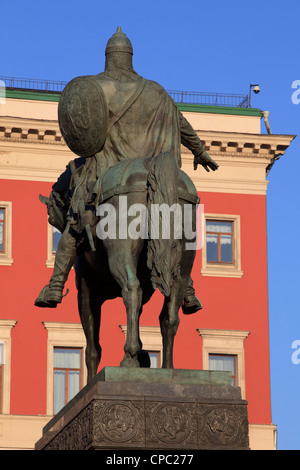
pixel 132 297
pixel 124 271
pixel 169 322
pixel 89 308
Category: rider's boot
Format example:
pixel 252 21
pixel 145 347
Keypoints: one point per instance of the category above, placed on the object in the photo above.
pixel 191 303
pixel 52 294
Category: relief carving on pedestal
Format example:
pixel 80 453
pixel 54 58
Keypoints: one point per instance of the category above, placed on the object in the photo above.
pixel 118 422
pixel 155 424
pixel 222 426
pixel 170 423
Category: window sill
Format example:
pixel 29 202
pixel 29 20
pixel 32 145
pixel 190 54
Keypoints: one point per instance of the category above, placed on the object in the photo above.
pixel 5 260
pixel 221 271
pixel 50 263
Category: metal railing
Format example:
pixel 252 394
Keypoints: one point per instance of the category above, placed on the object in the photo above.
pixel 186 97
pixel 33 84
pixel 210 99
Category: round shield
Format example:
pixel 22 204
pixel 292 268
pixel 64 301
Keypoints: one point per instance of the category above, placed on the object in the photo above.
pixel 83 116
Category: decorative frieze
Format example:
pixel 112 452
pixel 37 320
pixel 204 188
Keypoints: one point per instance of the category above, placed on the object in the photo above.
pixel 35 150
pixel 154 424
pixel 38 131
pixel 140 415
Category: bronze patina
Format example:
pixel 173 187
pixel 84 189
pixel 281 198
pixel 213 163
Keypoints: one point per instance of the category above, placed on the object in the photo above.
pixel 83 116
pixel 128 133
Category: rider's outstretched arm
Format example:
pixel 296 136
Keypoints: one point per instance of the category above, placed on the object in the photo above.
pixel 190 140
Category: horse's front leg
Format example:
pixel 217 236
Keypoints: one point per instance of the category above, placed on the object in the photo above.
pixel 123 268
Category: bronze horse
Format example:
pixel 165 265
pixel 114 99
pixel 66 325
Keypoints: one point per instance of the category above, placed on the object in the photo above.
pixel 132 268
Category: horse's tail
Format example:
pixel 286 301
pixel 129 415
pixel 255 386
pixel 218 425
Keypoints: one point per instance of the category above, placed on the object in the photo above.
pixel 164 247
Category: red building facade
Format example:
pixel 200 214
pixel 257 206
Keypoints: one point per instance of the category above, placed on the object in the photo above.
pixel 230 271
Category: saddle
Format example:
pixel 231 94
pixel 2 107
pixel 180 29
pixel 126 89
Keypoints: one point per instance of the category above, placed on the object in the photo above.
pixel 131 175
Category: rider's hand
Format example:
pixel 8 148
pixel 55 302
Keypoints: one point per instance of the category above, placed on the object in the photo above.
pixel 205 160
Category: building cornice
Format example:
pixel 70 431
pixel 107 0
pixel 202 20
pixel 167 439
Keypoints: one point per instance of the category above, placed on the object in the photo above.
pixel 34 150
pixel 26 130
pixel 245 143
pixel 35 130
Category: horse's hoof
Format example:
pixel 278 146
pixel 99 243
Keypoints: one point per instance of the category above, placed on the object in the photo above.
pixel 168 365
pixel 130 362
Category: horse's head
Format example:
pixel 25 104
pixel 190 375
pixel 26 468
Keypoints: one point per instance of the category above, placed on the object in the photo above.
pixel 44 199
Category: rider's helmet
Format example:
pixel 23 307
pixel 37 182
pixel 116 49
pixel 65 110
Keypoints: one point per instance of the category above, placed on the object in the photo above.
pixel 119 51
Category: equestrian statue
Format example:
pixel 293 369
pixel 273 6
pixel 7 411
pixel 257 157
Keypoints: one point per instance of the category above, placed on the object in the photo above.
pixel 127 133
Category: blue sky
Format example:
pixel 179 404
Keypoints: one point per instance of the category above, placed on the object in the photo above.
pixel 211 46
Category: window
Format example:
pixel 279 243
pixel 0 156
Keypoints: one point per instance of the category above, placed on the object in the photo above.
pixel 56 236
pixel 68 337
pixel 224 363
pixel 2 229
pixel 219 241
pixel 221 253
pixel 224 350
pixel 154 359
pixel 5 233
pixel 5 364
pixel 67 368
pixel 53 237
pixel 1 373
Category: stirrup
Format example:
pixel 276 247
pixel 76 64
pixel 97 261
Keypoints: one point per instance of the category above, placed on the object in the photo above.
pixel 191 305
pixel 53 299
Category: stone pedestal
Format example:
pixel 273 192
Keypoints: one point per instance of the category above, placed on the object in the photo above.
pixel 151 409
